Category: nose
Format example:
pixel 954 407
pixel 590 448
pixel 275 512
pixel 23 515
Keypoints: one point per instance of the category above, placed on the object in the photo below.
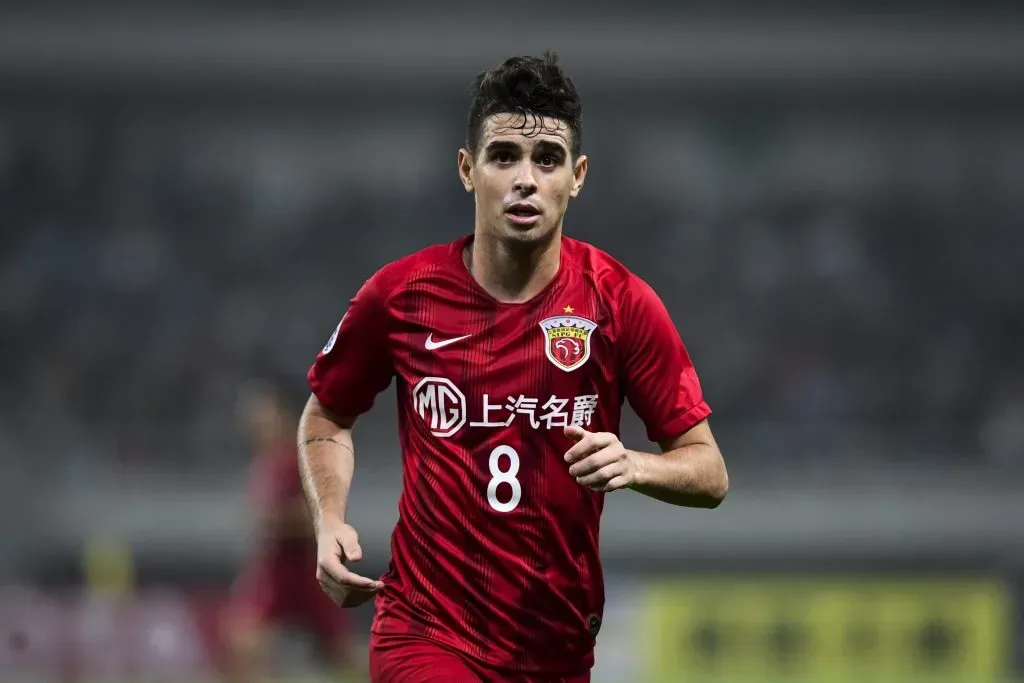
pixel 525 184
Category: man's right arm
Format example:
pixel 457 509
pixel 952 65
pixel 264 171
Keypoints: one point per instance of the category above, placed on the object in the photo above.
pixel 326 460
pixel 327 463
pixel 350 371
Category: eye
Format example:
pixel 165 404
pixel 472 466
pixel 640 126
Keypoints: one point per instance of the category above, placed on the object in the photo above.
pixel 548 160
pixel 503 156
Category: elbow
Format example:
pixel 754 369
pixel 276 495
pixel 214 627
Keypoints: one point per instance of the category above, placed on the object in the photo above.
pixel 718 490
pixel 717 496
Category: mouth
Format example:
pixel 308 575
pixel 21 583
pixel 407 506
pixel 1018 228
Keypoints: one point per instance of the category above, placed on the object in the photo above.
pixel 523 213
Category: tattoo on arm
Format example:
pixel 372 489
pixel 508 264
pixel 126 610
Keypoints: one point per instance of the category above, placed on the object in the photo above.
pixel 317 439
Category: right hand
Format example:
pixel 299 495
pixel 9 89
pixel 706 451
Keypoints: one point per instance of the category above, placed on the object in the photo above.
pixel 338 543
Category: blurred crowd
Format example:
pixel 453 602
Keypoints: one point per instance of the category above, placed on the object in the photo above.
pixel 853 282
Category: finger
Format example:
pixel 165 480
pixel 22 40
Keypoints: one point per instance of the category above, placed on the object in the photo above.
pixel 350 546
pixel 600 478
pixel 353 580
pixel 334 592
pixel 580 438
pixel 595 461
pixel 329 564
pixel 354 583
pixel 575 432
pixel 347 597
pixel 591 443
pixel 341 588
pixel 330 570
pixel 330 585
pixel 615 483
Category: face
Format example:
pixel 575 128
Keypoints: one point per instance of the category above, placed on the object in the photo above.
pixel 522 176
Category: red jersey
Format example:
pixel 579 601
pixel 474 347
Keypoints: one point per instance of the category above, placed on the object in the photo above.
pixel 495 552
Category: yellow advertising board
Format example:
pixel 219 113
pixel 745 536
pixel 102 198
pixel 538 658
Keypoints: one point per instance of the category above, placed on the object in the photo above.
pixel 826 630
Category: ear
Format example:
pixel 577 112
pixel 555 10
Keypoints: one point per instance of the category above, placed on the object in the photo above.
pixel 466 169
pixel 579 175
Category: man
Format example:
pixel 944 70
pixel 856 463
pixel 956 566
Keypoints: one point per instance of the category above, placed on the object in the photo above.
pixel 278 588
pixel 513 349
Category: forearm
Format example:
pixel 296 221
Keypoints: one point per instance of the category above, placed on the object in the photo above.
pixel 327 464
pixel 693 475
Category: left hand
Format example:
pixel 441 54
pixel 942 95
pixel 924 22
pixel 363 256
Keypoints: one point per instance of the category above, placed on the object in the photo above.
pixel 599 461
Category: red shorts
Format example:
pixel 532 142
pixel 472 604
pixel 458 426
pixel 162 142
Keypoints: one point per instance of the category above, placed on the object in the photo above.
pixel 408 659
pixel 287 595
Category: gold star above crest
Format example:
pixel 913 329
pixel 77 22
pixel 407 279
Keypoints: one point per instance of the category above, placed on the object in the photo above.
pixel 567 309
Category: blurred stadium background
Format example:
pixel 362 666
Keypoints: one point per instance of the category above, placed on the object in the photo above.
pixel 828 195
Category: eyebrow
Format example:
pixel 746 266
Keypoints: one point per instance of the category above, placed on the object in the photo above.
pixel 542 146
pixel 550 146
pixel 501 145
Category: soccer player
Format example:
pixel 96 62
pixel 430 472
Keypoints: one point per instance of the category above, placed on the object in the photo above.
pixel 278 588
pixel 513 350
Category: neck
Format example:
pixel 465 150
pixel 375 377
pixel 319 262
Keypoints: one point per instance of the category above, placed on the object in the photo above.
pixel 510 271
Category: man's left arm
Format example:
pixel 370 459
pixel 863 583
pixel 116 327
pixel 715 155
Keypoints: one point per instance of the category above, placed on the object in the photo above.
pixel 689 472
pixel 662 386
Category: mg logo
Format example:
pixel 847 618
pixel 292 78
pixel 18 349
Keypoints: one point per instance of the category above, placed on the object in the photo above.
pixel 440 403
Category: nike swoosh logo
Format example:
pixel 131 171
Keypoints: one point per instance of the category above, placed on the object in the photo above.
pixel 430 344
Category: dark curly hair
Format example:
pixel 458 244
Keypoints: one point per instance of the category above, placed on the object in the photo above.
pixel 531 86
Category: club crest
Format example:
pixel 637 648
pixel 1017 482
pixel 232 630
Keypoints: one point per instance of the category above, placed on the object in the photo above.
pixel 334 337
pixel 567 340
